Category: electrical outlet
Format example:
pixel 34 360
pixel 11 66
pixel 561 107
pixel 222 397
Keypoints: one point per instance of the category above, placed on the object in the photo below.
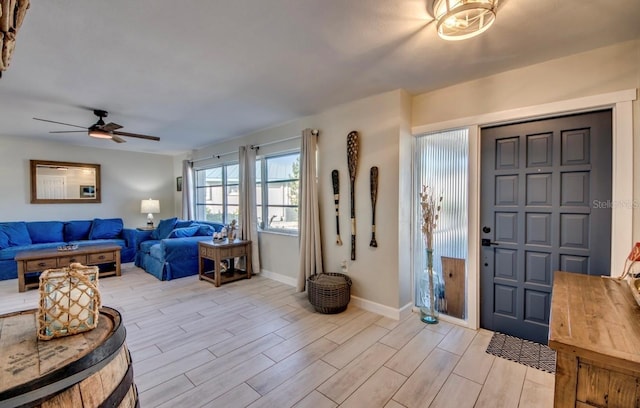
pixel 344 267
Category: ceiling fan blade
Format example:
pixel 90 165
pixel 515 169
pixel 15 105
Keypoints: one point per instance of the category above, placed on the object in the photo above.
pixel 60 123
pixel 109 127
pixel 68 131
pixel 117 139
pixel 155 138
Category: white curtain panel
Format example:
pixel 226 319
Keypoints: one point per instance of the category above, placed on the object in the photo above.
pixel 248 210
pixel 188 195
pixel 310 243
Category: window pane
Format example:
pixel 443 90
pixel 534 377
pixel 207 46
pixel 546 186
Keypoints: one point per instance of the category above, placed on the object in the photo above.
pixel 233 174
pixel 442 164
pixel 209 177
pixel 283 193
pixel 213 213
pixel 233 213
pixel 258 171
pixel 258 196
pixel 283 217
pixel 283 167
pixel 209 195
pixel 260 224
pixel 233 195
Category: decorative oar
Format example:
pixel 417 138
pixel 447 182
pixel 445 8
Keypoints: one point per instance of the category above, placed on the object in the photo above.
pixel 352 161
pixel 335 177
pixel 374 198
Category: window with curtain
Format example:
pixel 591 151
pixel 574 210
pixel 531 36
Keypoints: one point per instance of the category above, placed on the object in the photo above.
pixel 442 164
pixel 277 189
pixel 217 194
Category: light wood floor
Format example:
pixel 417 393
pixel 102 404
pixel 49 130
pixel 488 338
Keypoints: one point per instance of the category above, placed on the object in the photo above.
pixel 256 343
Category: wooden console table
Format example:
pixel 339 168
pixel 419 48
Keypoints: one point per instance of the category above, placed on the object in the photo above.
pixel 38 260
pixel 595 330
pixel 217 252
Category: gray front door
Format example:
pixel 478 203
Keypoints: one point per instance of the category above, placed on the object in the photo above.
pixel 545 206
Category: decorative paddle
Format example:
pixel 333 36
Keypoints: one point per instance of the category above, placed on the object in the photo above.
pixel 335 177
pixel 352 161
pixel 374 198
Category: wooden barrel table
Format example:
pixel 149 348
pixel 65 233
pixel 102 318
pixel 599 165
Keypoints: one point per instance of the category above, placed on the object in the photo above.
pixel 90 369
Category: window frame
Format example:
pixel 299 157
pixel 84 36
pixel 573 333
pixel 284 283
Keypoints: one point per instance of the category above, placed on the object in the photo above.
pixel 264 196
pixel 201 207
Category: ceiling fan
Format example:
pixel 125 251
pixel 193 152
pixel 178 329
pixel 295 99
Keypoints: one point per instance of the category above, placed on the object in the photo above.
pixel 101 130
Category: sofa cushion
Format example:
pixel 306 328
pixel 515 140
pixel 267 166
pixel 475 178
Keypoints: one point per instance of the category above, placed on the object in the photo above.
pixel 145 246
pixel 4 240
pixel 45 231
pixel 108 241
pixel 106 228
pixel 77 230
pixel 184 232
pixel 16 232
pixel 164 228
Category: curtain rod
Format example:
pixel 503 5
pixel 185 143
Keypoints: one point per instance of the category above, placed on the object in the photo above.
pixel 256 146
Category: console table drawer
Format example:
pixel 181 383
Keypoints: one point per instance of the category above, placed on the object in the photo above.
pixel 41 264
pixel 68 260
pixel 101 258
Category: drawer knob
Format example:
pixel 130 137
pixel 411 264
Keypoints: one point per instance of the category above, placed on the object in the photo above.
pixel 72 260
pixel 101 257
pixel 42 264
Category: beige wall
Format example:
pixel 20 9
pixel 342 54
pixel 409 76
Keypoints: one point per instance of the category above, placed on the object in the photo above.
pixel 381 121
pixel 599 71
pixel 127 178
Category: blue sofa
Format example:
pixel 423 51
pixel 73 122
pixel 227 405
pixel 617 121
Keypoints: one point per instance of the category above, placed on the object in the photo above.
pixel 19 236
pixel 171 250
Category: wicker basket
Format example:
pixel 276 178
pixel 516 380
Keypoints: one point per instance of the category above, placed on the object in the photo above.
pixel 329 292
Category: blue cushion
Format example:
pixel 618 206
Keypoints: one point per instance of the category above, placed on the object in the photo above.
pixel 4 240
pixel 204 229
pixel 164 228
pixel 106 228
pixel 17 233
pixel 184 232
pixel 45 231
pixel 182 224
pixel 77 230
pixel 145 246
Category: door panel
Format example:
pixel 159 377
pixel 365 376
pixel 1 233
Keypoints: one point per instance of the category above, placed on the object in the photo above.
pixel 539 180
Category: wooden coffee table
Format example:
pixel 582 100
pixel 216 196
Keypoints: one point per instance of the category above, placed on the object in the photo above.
pixel 37 260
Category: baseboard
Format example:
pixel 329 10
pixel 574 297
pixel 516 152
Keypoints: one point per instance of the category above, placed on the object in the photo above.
pixel 386 311
pixel 287 280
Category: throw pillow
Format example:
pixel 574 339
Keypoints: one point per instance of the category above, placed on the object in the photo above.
pixel 183 232
pixel 106 228
pixel 183 224
pixel 17 233
pixel 164 228
pixel 45 231
pixel 204 230
pixel 77 230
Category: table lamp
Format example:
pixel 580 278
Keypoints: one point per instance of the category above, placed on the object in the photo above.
pixel 150 207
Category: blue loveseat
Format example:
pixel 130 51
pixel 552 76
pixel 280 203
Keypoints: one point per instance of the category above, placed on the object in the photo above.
pixel 19 236
pixel 171 250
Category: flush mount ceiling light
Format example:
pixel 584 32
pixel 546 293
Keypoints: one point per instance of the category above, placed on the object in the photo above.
pixel 462 19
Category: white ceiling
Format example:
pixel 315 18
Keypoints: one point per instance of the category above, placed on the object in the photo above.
pixel 194 72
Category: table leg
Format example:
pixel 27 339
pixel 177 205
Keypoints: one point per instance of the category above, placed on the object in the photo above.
pixel 21 272
pixel 216 271
pixel 118 269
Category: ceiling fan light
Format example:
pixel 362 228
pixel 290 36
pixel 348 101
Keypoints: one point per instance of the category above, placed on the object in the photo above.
pixel 99 134
pixel 462 19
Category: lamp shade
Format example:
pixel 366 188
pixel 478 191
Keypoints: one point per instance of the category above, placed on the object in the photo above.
pixel 150 206
pixel 462 19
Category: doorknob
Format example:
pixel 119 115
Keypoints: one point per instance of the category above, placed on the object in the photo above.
pixel 487 242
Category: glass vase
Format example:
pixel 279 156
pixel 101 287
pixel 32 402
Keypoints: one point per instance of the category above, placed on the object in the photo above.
pixel 429 284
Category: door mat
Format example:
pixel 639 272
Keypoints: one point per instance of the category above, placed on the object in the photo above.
pixel 523 351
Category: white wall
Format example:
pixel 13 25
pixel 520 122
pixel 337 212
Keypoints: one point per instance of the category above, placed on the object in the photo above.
pixel 127 178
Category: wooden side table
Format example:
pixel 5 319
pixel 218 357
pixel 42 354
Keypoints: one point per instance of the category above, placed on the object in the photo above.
pixel 218 252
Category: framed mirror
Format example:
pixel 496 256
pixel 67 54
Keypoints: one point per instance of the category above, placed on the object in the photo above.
pixel 54 182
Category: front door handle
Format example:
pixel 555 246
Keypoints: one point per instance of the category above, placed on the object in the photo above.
pixel 487 242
